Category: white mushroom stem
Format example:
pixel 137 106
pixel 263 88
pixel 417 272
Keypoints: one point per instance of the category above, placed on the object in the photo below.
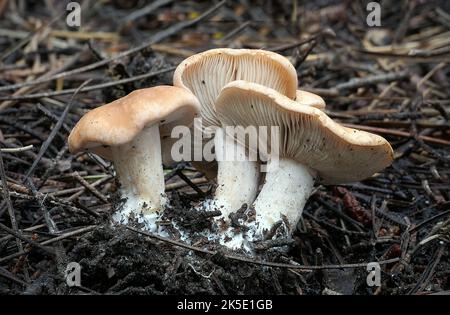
pixel 237 180
pixel 287 187
pixel 139 167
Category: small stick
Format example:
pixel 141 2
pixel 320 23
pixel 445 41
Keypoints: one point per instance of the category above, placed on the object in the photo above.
pixel 369 80
pixel 106 36
pixel 441 54
pixel 19 236
pixel 58 238
pixel 176 185
pixel 89 187
pixel 325 32
pixel 190 183
pixel 432 219
pixel 237 30
pixel 15 150
pixel 145 10
pixel 80 190
pixel 69 234
pixel 334 227
pixel 30 229
pixel 52 116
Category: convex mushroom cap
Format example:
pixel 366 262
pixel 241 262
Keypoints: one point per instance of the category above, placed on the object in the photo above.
pixel 120 121
pixel 310 99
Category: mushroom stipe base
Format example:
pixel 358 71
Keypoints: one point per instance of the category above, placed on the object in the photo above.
pixel 237 176
pixel 140 172
pixel 287 187
pixel 276 210
pixel 135 210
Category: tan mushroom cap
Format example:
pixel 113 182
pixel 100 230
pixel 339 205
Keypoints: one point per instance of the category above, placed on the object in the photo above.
pixel 120 121
pixel 307 134
pixel 310 99
pixel 206 73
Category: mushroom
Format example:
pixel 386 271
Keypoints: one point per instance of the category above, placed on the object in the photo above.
pixel 127 131
pixel 205 74
pixel 310 99
pixel 312 148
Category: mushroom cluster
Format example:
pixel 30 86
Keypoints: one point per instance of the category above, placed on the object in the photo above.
pixel 230 88
pixel 205 75
pixel 253 88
